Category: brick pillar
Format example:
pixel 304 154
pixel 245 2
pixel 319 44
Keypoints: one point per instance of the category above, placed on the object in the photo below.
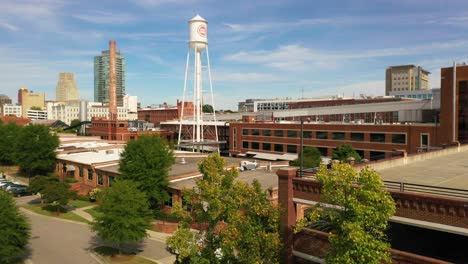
pixel 288 212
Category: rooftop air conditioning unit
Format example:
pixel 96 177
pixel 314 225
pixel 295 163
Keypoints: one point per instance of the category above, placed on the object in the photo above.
pixel 109 151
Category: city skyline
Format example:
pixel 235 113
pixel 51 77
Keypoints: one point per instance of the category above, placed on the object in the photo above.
pixel 321 48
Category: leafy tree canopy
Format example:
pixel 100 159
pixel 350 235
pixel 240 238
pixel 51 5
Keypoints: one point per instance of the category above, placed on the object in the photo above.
pixel 241 224
pixel 125 214
pixel 58 193
pixel 312 158
pixel 39 183
pixel 35 149
pixel 343 152
pixel 359 221
pixel 37 108
pixel 9 136
pixel 207 108
pixel 147 162
pixel 14 229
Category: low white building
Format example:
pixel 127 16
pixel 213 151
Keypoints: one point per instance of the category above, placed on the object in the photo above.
pixel 9 109
pixel 84 110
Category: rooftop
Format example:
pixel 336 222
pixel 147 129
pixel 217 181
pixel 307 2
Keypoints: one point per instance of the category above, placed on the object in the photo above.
pixel 450 171
pixel 267 179
pixel 178 169
pixel 91 157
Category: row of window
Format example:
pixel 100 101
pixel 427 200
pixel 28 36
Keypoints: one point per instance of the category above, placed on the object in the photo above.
pixel 354 136
pixel 100 177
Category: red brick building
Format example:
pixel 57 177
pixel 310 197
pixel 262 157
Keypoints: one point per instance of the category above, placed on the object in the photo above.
pixel 120 130
pixel 158 115
pixel 18 120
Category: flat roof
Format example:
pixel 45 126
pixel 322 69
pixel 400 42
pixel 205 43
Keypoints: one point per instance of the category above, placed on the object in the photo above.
pixel 91 157
pixel 267 179
pixel 178 169
pixel 449 171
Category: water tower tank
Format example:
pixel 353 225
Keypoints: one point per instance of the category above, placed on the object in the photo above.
pixel 198 31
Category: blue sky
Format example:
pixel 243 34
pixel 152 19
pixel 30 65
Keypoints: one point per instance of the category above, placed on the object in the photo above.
pixel 258 49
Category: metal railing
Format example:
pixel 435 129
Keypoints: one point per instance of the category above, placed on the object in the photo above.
pixel 420 188
pixel 403 186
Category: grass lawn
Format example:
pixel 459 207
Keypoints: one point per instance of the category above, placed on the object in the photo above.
pixel 69 215
pixel 80 203
pixel 93 212
pixel 110 255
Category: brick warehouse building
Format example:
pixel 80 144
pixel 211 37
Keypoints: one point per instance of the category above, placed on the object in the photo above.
pixel 122 130
pixel 158 115
pixel 371 140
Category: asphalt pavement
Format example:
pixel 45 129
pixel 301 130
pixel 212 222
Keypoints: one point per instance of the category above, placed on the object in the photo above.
pixel 60 241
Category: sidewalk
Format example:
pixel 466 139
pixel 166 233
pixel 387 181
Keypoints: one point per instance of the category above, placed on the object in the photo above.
pixel 158 236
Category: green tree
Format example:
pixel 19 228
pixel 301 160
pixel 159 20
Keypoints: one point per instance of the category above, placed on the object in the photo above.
pixel 241 224
pixel 343 152
pixel 9 136
pixel 360 218
pixel 14 229
pixel 57 193
pixel 35 149
pixel 147 161
pixel 39 183
pixel 37 108
pixel 312 158
pixel 207 108
pixel 125 214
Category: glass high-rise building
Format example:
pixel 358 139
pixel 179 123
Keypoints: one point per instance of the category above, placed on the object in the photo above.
pixel 101 77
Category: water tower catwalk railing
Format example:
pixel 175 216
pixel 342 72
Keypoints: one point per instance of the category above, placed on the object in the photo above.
pixel 196 141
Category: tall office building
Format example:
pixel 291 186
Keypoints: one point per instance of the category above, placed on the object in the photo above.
pixel 406 78
pixel 66 88
pixel 29 99
pixel 101 77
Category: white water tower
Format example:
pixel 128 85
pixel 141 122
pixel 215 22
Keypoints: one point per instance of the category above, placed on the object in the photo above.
pixel 198 44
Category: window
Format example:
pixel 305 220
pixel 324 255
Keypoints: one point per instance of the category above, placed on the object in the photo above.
pixel 292 133
pixel 278 133
pixel 64 167
pixel 111 179
pixel 245 132
pixel 322 135
pixel 278 148
pixel 255 145
pixel 338 135
pixel 399 138
pixel 255 132
pixel 291 148
pixel 90 175
pixel 90 172
pixel 307 134
pixel 357 136
pixel 267 133
pixel 168 202
pixel 234 140
pixel 424 140
pixel 121 125
pixel 266 146
pixel 377 137
pixel 99 179
pixel 323 151
pixel 80 169
pixel 245 144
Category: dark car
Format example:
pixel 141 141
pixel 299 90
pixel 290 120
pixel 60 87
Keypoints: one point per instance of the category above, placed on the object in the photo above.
pixel 7 184
pixel 19 190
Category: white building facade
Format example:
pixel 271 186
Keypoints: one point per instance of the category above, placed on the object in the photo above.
pixel 9 109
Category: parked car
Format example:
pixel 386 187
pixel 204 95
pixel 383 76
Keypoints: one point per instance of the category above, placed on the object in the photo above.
pixel 19 190
pixel 4 185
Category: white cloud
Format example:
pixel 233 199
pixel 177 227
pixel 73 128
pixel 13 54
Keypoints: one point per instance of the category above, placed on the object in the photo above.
pixel 155 3
pixel 277 26
pixel 242 77
pixel 100 17
pixel 297 57
pixel 370 88
pixel 8 26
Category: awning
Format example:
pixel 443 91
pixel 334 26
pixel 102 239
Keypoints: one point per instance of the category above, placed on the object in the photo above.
pixel 70 167
pixel 273 157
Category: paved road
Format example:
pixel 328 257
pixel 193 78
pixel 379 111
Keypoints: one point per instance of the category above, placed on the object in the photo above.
pixel 57 241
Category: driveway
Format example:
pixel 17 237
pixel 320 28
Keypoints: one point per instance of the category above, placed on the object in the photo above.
pixel 58 241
